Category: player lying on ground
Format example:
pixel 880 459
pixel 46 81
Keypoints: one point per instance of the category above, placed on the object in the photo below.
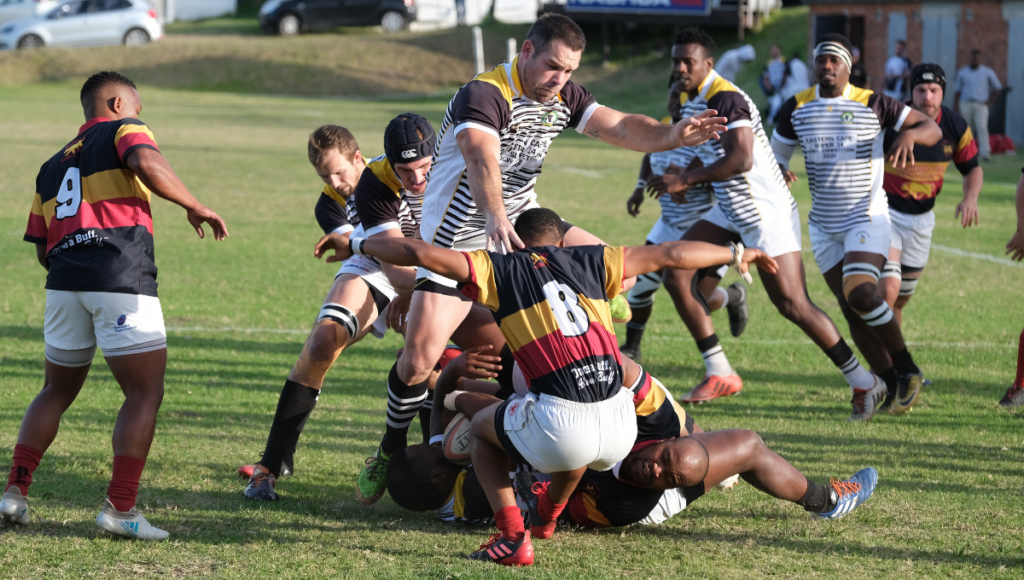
pixel 551 304
pixel 495 135
pixel 641 489
pixel 911 191
pixel 755 206
pixel 1014 396
pixel 93 228
pixel 841 130
pixel 676 218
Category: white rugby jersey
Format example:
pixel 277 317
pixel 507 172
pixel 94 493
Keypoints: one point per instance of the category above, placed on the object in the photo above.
pixel 385 202
pixel 842 140
pixel 760 193
pixel 493 102
pixel 698 197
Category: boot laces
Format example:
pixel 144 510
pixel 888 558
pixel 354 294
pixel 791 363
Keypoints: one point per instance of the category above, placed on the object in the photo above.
pixel 844 488
pixel 540 487
pixel 490 541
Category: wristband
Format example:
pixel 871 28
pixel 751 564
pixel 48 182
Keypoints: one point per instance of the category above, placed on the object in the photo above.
pixel 449 400
pixel 356 245
pixel 436 439
pixel 641 183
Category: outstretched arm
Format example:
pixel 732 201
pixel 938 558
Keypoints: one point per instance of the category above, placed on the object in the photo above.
pixel 918 129
pixel 967 210
pixel 647 135
pixel 398 252
pixel 155 173
pixel 689 256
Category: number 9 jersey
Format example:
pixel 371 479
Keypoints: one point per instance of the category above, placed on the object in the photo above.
pixel 552 307
pixel 93 213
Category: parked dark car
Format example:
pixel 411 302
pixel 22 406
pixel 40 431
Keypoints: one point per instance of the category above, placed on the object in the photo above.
pixel 289 17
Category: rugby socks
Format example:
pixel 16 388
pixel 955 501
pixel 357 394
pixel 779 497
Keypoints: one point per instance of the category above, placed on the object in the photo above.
pixel 293 408
pixel 124 482
pixel 727 295
pixel 634 334
pixel 1019 382
pixel 425 410
pixel 857 376
pixel 904 363
pixel 819 499
pixel 548 512
pixel 892 380
pixel 509 521
pixel 714 358
pixel 404 402
pixel 26 460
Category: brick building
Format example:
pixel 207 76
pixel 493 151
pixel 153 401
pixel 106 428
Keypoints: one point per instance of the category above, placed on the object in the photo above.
pixel 937 31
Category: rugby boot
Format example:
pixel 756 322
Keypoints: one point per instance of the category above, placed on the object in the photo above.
pixel 908 393
pixel 261 485
pixel 633 354
pixel 373 481
pixel 129 524
pixel 850 493
pixel 14 507
pixel 1014 397
pixel 530 490
pixel 728 483
pixel 286 470
pixel 621 312
pixel 713 387
pixel 739 315
pixel 865 401
pixel 505 552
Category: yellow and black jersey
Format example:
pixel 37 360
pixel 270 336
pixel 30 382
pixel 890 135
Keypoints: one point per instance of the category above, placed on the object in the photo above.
pixel 93 214
pixel 384 203
pixel 552 307
pixel 468 502
pixel 336 213
pixel 912 189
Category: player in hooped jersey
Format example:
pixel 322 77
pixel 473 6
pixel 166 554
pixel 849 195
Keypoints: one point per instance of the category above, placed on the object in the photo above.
pixel 92 225
pixel 755 206
pixel 550 302
pixel 841 129
pixel 911 190
pixel 490 148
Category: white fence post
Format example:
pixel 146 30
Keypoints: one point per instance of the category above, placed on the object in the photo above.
pixel 478 49
pixel 510 50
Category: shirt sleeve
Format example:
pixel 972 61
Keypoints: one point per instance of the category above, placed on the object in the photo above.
pixel 480 105
pixel 331 216
pixel 36 230
pixel 965 154
pixel 733 107
pixel 890 112
pixel 377 205
pixel 581 103
pixel 481 287
pixel 133 134
pixel 784 129
pixel 614 268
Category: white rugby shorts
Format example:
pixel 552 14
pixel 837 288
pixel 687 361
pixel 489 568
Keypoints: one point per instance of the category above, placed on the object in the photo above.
pixel 555 435
pixel 81 320
pixel 370 271
pixel 912 235
pixel 774 235
pixel 830 249
pixel 663 232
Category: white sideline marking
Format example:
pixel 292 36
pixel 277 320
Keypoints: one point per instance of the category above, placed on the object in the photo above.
pixel 966 254
pixel 234 329
pixel 577 171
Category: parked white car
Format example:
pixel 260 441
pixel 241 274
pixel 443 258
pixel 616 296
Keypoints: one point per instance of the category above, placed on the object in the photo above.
pixel 85 23
pixel 13 9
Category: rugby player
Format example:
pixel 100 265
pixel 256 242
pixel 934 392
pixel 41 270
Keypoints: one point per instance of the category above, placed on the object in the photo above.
pixel 491 145
pixel 841 129
pixel 1014 396
pixel 92 225
pixel 911 191
pixel 551 304
pixel 676 218
pixel 755 206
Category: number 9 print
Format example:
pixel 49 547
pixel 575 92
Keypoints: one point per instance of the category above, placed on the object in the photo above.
pixel 69 197
pixel 571 319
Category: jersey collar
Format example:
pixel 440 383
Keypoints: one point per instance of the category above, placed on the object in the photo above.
pixel 513 75
pixel 702 90
pixel 92 123
pixel 847 90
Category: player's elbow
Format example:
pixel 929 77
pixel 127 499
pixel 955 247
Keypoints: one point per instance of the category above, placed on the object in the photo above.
pixel 744 163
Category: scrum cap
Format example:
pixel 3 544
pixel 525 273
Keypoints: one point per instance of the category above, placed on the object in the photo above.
pixel 928 73
pixel 408 138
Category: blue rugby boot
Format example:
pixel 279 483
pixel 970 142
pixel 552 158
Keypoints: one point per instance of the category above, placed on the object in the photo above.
pixel 851 493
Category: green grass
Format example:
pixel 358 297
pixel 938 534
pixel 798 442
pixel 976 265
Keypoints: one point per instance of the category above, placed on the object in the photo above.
pixel 948 500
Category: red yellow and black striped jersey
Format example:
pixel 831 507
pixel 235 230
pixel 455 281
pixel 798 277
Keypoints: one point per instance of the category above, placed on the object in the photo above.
pixel 552 307
pixel 658 416
pixel 912 189
pixel 93 214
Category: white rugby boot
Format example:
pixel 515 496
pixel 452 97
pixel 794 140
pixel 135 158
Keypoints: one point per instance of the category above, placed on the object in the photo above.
pixel 728 483
pixel 129 524
pixel 14 507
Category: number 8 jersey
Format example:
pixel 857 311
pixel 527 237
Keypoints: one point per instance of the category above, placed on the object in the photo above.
pixel 93 213
pixel 552 307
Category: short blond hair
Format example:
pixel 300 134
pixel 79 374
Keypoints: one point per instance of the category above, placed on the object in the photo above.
pixel 330 137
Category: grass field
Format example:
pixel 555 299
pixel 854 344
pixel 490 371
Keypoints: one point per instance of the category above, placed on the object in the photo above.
pixel 948 500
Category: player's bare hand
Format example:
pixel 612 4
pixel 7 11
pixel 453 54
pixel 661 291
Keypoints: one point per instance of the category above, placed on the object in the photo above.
pixel 473 365
pixel 634 202
pixel 967 211
pixel 670 183
pixel 501 236
pixel 396 312
pixel 902 151
pixel 698 129
pixel 763 261
pixel 1016 247
pixel 788 175
pixel 336 242
pixel 201 214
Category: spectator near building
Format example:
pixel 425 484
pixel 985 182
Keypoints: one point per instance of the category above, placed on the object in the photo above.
pixel 897 72
pixel 729 65
pixel 858 76
pixel 976 85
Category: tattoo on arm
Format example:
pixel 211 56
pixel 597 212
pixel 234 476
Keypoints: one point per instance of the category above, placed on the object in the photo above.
pixel 594 133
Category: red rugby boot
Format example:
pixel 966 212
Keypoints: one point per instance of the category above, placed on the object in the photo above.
pixel 505 552
pixel 712 387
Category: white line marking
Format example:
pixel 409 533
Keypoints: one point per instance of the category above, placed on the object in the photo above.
pixel 966 254
pixel 577 171
pixel 233 329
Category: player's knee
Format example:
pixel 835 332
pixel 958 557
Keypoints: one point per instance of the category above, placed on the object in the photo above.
pixel 325 341
pixel 907 288
pixel 790 309
pixel 860 283
pixel 677 281
pixel 341 315
pixel 413 367
pixel 750 443
pixel 864 299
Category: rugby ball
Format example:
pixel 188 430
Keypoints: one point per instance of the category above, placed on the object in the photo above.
pixel 456 441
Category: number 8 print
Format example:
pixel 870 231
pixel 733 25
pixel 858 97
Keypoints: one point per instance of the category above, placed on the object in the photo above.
pixel 571 319
pixel 69 197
